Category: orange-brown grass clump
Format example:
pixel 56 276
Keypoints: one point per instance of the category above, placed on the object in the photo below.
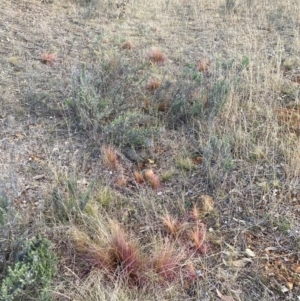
pixel 125 257
pixel 154 182
pixel 152 178
pixel 48 58
pixel 289 117
pixel 148 174
pixel 110 155
pixel 121 181
pixel 153 85
pixel 138 177
pixel 127 45
pixel 120 257
pixel 93 254
pixel 156 56
pixel 172 224
pixel 203 65
pixel 199 238
pixel 167 264
pixel 190 272
pixel 195 213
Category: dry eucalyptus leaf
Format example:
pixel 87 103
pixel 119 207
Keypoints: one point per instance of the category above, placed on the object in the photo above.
pixel 232 252
pixel 223 297
pixel 270 249
pixel 82 182
pixel 241 262
pixel 38 177
pixel 284 289
pixel 19 135
pixel 290 285
pixel 250 253
pixel 296 268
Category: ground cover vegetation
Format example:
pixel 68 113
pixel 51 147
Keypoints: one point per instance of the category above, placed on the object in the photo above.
pixel 150 151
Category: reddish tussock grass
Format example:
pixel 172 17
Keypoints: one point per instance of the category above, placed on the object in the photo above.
pixel 154 182
pixel 122 258
pixel 153 85
pixel 203 65
pixel 195 213
pixel 110 155
pixel 48 58
pixel 198 237
pixel 127 45
pixel 172 224
pixel 125 256
pixel 156 56
pixel 152 178
pixel 167 264
pixel 138 177
pixel 119 258
pixel 121 181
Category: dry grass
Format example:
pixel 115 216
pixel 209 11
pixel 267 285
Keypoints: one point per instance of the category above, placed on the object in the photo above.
pixel 185 107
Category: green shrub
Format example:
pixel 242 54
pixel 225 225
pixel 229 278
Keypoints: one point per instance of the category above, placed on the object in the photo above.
pixel 101 93
pixel 131 129
pixel 30 277
pixel 196 96
pixel 105 99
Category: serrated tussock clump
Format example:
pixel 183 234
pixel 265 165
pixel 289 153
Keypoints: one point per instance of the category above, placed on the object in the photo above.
pixel 110 155
pixel 156 56
pixel 120 257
